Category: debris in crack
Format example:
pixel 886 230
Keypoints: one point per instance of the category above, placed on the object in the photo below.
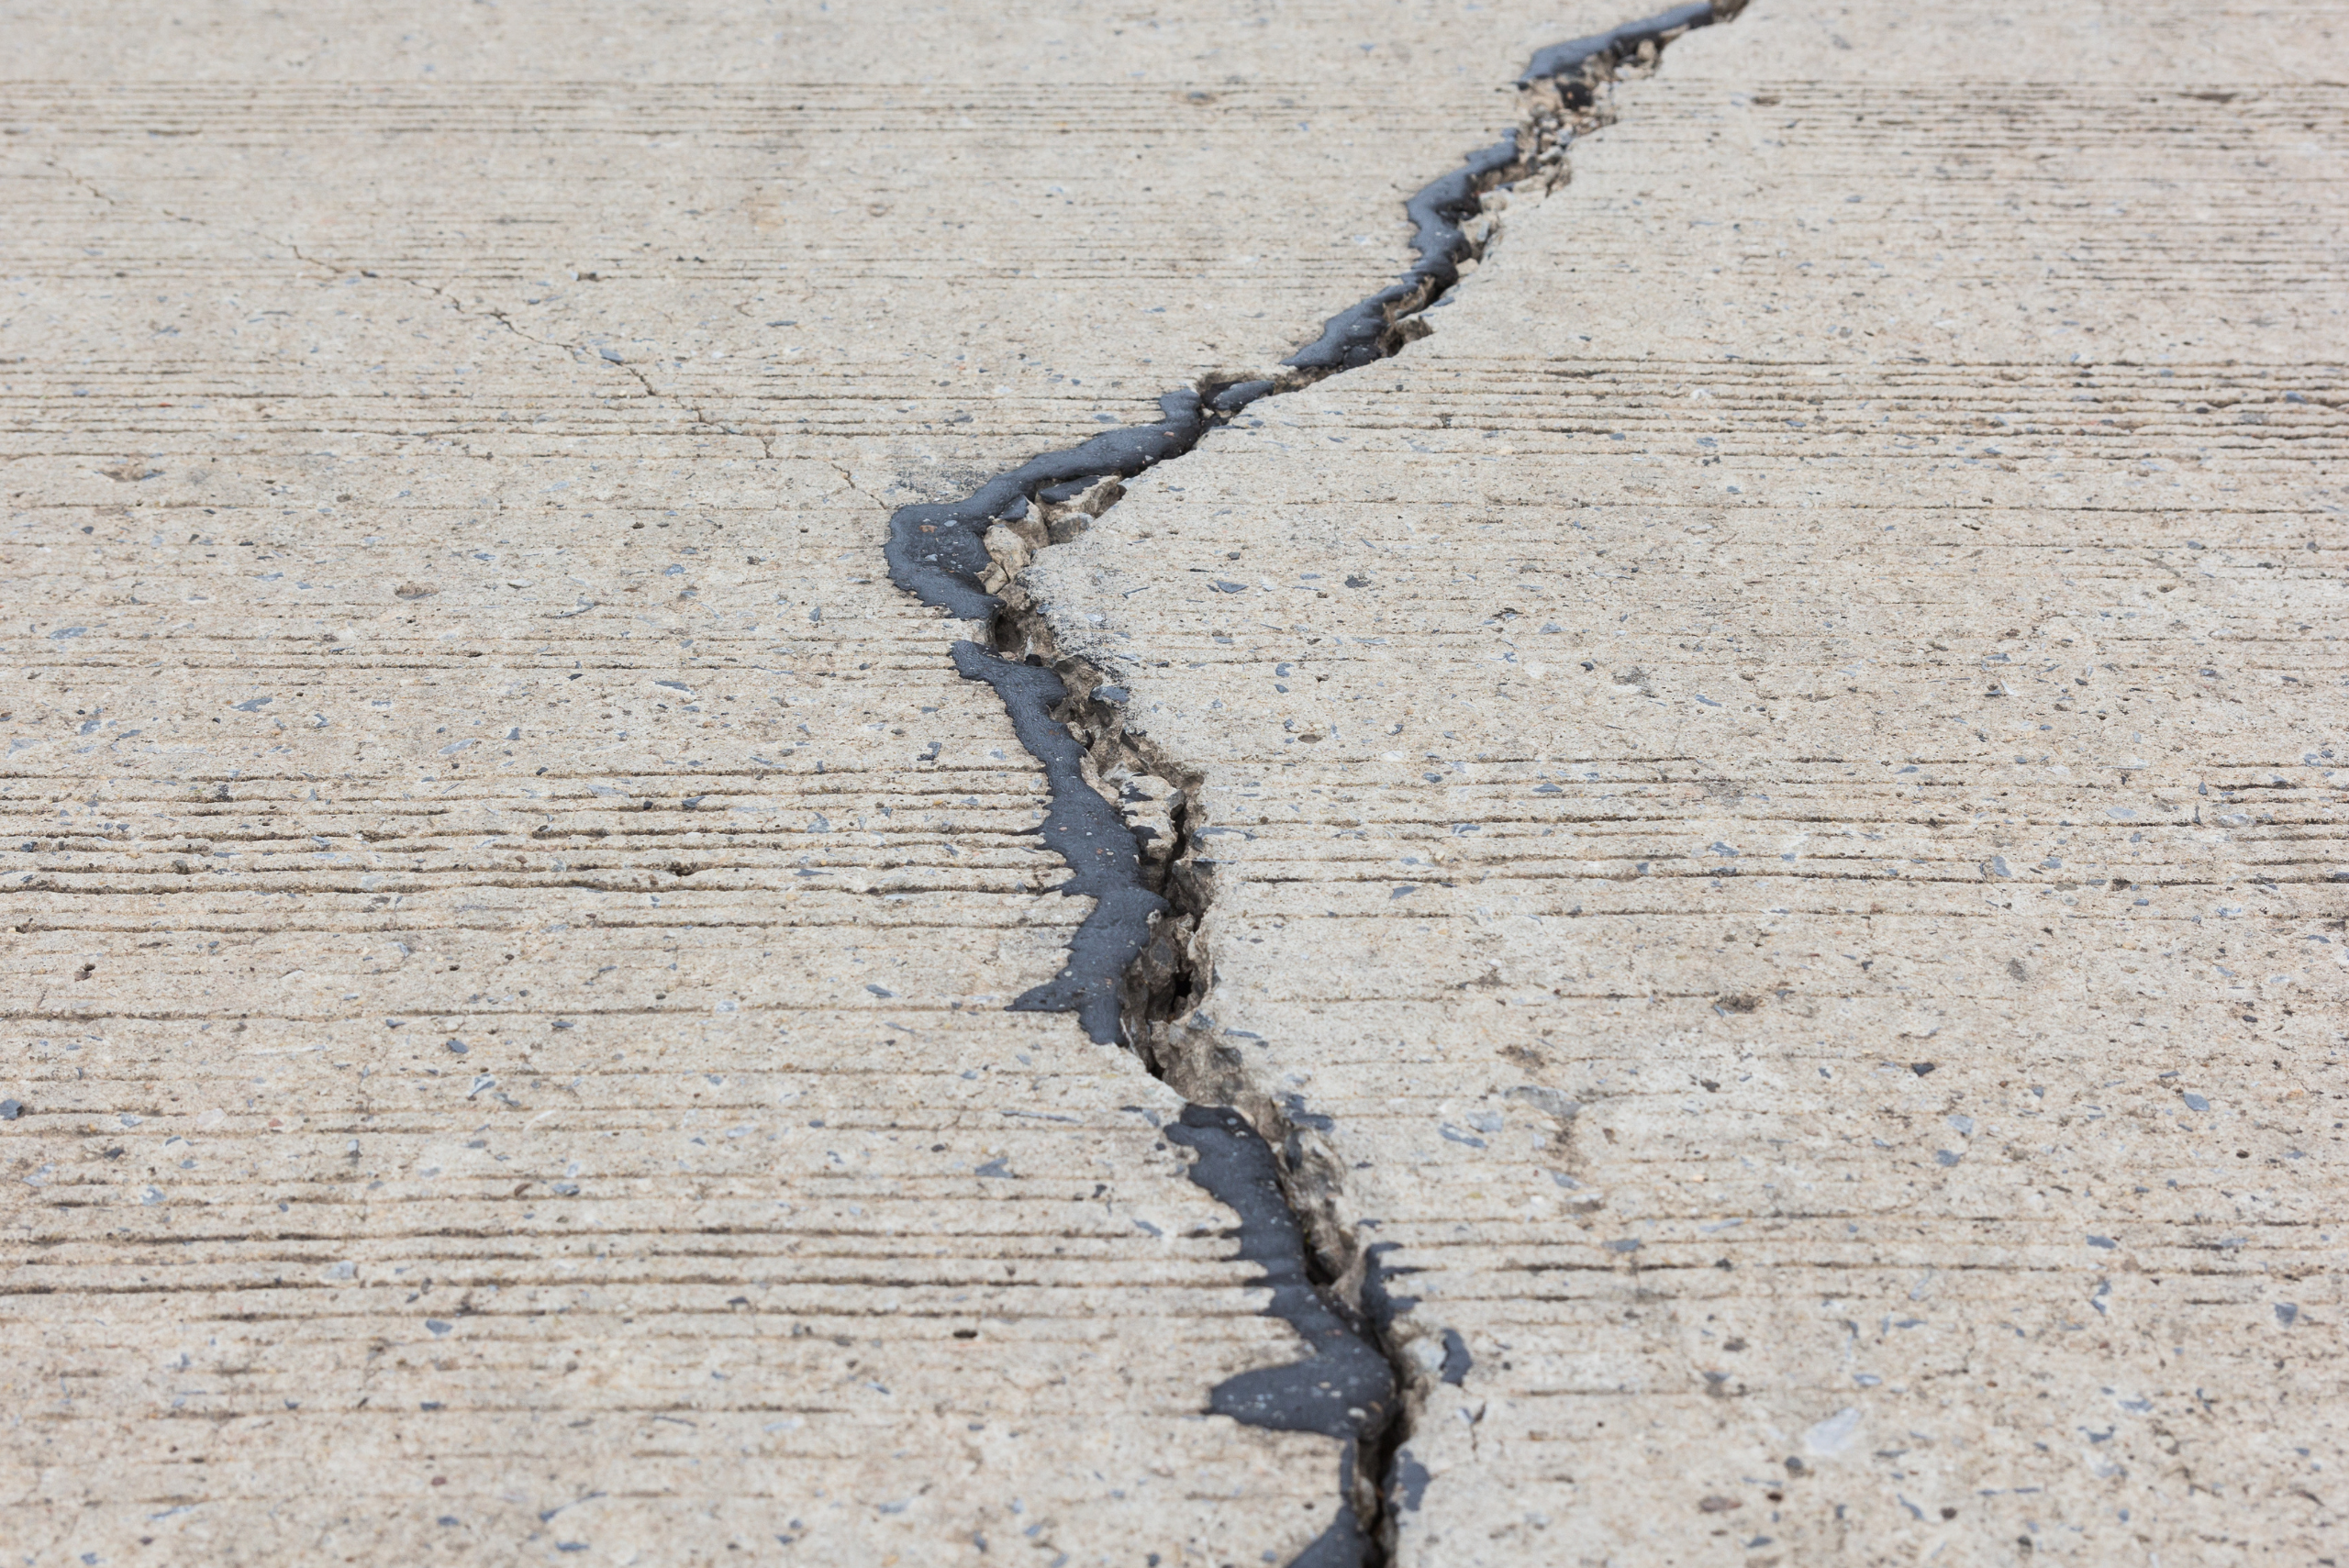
pixel 937 550
pixel 1131 964
pixel 1577 57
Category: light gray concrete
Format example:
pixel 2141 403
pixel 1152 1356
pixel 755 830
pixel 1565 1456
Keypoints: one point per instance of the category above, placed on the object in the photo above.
pixel 485 423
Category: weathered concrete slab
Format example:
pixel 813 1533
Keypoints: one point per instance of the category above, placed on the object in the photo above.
pixel 1756 811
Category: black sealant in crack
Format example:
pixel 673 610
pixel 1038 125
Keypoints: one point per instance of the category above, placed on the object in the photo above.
pixel 1577 56
pixel 1363 334
pixel 1347 1388
pixel 1089 833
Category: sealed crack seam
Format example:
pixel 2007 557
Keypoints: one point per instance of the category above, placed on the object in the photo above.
pixel 1132 964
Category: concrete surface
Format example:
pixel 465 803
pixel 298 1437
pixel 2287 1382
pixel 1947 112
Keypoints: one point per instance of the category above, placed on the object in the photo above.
pixel 510 914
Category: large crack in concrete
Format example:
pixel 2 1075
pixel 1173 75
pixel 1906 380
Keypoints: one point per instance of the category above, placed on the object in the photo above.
pixel 1119 814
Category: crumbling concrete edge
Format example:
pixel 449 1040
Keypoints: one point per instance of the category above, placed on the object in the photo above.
pixel 1121 815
